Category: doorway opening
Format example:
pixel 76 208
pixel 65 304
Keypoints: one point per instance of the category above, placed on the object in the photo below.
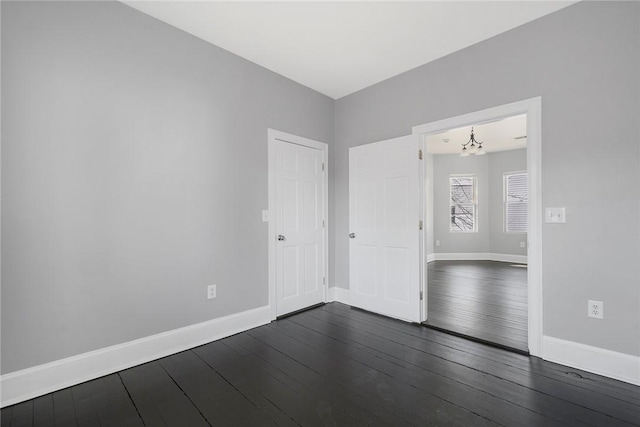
pixel 481 241
pixel 476 253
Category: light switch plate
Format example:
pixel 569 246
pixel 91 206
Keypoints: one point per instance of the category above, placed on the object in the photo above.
pixel 555 215
pixel 265 216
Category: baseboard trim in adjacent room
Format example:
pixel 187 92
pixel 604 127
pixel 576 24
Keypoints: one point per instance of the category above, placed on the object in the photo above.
pixel 339 295
pixel 620 366
pixel 28 383
pixel 478 256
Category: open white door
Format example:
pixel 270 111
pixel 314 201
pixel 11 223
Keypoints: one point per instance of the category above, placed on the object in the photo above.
pixel 299 226
pixel 384 269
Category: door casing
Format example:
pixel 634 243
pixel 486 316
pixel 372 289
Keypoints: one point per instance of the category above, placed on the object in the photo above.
pixel 273 136
pixel 533 109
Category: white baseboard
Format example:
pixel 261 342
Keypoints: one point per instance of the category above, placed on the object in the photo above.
pixel 477 256
pixel 42 379
pixel 339 295
pixel 620 366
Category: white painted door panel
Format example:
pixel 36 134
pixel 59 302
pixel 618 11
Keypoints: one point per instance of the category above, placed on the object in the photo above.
pixel 383 220
pixel 299 211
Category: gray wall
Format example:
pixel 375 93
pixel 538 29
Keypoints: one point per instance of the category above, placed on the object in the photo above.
pixel 584 61
pixel 134 171
pixel 489 171
pixel 501 242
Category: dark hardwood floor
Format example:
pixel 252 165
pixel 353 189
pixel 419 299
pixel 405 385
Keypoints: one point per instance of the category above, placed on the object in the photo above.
pixel 482 299
pixel 337 366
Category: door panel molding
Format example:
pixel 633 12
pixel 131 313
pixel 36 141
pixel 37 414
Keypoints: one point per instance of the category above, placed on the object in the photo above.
pixel 273 138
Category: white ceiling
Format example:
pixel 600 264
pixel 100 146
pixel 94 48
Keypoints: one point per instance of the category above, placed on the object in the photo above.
pixel 338 48
pixel 499 135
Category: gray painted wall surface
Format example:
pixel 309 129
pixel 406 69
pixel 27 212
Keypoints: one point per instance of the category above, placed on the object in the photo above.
pixel 584 61
pixel 501 242
pixel 134 171
pixel 489 171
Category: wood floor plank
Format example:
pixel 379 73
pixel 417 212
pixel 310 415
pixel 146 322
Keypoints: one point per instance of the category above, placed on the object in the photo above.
pixel 361 406
pixel 473 353
pixel 391 391
pixel 158 399
pixel 482 299
pixel 451 383
pixel 43 411
pixel 335 365
pixel 498 388
pixel 609 406
pixel 21 415
pixel 105 402
pixel 217 400
pixel 237 372
pixel 305 382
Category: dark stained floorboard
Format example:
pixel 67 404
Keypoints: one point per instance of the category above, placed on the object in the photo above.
pixel 334 365
pixel 482 299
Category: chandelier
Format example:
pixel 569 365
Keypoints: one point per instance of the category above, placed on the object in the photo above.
pixel 474 147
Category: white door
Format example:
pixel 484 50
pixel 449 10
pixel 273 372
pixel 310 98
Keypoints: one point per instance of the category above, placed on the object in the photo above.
pixel 384 228
pixel 299 210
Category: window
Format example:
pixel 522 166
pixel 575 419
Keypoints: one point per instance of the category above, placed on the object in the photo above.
pixel 463 203
pixel 516 196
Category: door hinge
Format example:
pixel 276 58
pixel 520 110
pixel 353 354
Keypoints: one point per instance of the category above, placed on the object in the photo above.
pixel 323 223
pixel 420 225
pixel 323 167
pixel 420 154
pixel 421 295
pixel 324 280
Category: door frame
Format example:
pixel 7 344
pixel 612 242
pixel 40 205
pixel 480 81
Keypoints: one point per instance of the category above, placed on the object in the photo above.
pixel 273 136
pixel 533 109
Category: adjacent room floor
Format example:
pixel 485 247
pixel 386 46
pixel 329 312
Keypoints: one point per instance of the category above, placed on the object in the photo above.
pixel 486 300
pixel 334 365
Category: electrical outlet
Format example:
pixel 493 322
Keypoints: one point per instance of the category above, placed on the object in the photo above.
pixel 211 291
pixel 437 242
pixel 522 244
pixel 596 309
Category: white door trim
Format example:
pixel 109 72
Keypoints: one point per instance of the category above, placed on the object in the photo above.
pixel 532 108
pixel 272 136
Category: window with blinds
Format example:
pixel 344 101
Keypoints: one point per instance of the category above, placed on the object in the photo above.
pixel 463 206
pixel 516 196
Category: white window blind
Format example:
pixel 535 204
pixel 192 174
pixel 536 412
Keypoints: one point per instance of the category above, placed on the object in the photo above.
pixel 516 197
pixel 463 203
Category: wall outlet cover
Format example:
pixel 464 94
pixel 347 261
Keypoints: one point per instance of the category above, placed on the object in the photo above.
pixel 595 309
pixel 211 291
pixel 555 215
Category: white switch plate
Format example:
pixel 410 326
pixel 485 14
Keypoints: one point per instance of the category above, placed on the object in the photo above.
pixel 265 216
pixel 555 215
pixel 437 242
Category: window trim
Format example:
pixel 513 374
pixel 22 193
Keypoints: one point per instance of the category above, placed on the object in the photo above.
pixel 474 177
pixel 504 201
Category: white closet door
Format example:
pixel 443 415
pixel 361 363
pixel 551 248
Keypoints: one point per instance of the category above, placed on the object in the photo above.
pixel 299 229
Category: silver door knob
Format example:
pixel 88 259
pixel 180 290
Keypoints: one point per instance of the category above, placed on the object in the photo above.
pixel 280 237
pixel 352 235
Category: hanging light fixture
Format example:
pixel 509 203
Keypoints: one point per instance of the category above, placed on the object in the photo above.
pixel 472 147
